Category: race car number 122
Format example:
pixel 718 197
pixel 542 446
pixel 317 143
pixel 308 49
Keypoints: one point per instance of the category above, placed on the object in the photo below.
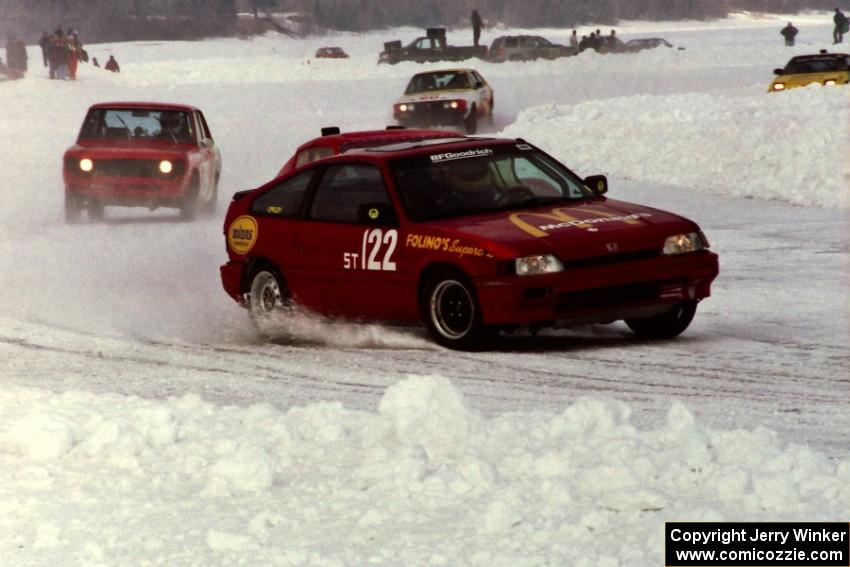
pixel 376 252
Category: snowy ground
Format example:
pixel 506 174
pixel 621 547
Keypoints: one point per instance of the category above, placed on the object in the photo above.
pixel 142 421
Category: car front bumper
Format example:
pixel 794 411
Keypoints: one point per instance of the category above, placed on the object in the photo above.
pixel 128 191
pixel 597 294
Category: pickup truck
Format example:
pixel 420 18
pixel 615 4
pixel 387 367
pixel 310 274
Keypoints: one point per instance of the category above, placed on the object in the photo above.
pixel 432 47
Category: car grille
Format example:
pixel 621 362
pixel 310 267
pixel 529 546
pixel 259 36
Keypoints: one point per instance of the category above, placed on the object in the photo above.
pixel 126 168
pixel 611 259
pixel 619 296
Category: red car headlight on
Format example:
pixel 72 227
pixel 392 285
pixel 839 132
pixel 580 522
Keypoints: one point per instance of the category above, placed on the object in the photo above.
pixel 455 104
pixel 535 265
pixel 684 243
pixel 86 165
pixel 403 107
pixel 166 167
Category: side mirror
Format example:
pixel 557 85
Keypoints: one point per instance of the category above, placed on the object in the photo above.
pixel 597 183
pixel 377 214
pixel 778 71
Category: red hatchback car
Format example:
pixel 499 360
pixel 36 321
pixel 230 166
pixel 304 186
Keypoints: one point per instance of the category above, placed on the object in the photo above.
pixel 466 235
pixel 134 154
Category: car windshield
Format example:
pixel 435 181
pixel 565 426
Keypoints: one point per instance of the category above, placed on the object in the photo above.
pixel 138 124
pixel 424 82
pixel 480 180
pixel 817 65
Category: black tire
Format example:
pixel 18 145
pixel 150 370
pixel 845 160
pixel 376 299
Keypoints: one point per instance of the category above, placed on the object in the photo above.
pixel 667 325
pixel 73 208
pixel 94 210
pixel 451 312
pixel 269 300
pixel 189 206
pixel 210 206
pixel 471 122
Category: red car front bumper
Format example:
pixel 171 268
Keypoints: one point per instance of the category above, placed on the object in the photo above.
pixel 598 293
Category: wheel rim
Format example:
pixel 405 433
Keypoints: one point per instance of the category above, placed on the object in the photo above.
pixel 266 297
pixel 452 309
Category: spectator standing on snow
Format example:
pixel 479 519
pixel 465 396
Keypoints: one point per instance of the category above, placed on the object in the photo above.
pixel 789 32
pixel 574 40
pixel 475 18
pixel 840 21
pixel 112 65
pixel 94 62
pixel 44 43
pixel 58 56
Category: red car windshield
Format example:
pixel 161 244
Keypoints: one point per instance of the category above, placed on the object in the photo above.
pixel 138 124
pixel 452 184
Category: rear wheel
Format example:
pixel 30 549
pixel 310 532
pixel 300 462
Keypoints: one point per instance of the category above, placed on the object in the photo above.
pixel 268 300
pixel 667 325
pixel 451 311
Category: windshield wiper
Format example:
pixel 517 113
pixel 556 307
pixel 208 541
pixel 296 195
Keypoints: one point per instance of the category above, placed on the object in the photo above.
pixel 127 128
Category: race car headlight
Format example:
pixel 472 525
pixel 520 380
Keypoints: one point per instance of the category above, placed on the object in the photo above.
pixel 779 86
pixel 829 83
pixel 166 167
pixel 535 265
pixel 86 165
pixel 684 243
pixel 405 107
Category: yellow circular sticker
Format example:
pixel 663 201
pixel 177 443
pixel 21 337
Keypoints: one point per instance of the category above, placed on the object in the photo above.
pixel 242 234
pixel 600 185
pixel 373 214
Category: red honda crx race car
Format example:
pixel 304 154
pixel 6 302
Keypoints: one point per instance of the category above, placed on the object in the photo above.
pixel 141 154
pixel 469 236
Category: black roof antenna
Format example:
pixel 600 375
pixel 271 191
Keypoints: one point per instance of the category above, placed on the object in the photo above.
pixel 330 130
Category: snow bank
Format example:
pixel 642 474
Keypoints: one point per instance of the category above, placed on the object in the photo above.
pixel 788 146
pixel 107 479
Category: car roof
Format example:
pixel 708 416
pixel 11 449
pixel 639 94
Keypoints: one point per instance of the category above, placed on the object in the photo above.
pixel 371 137
pixel 816 56
pixel 150 105
pixel 452 70
pixel 432 146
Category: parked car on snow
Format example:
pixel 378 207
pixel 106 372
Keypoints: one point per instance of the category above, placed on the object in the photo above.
pixel 468 236
pixel 634 45
pixel 526 48
pixel 446 97
pixel 824 68
pixel 331 53
pixel 141 154
pixel 432 47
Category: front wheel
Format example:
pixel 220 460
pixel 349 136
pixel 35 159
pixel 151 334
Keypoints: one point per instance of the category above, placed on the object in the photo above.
pixel 452 314
pixel 73 208
pixel 667 325
pixel 189 206
pixel 268 300
pixel 472 121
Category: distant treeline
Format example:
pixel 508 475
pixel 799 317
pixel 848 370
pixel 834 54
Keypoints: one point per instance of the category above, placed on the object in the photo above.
pixel 113 20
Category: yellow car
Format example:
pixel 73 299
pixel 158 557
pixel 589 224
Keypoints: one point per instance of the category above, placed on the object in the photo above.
pixel 824 68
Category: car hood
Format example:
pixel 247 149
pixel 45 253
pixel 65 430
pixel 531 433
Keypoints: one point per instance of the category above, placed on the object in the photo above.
pixel 131 149
pixel 585 229
pixel 446 94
